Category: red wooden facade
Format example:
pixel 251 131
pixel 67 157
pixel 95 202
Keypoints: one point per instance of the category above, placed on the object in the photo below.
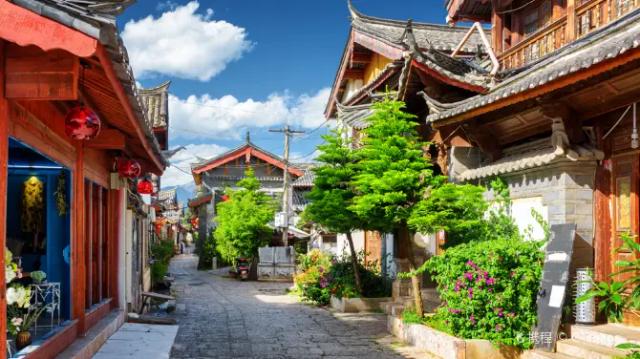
pixel 32 110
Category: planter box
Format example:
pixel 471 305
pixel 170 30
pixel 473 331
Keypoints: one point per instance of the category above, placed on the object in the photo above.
pixel 445 345
pixel 356 305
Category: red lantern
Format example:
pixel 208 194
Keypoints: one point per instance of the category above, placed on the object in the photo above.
pixel 145 187
pixel 224 198
pixel 81 123
pixel 129 168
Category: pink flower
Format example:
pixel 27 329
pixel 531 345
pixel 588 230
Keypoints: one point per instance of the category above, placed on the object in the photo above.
pixel 472 319
pixel 468 275
pixel 498 327
pixel 470 293
pixel 491 281
pixel 500 312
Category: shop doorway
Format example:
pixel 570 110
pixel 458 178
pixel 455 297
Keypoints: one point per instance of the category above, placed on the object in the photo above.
pixel 38 232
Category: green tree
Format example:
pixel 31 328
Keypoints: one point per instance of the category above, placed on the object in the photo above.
pixel 457 209
pixel 332 194
pixel 393 173
pixel 242 220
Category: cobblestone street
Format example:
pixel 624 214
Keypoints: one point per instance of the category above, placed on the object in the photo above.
pixel 224 318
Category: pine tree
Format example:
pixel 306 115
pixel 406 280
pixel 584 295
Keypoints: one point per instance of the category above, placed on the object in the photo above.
pixel 392 175
pixel 332 193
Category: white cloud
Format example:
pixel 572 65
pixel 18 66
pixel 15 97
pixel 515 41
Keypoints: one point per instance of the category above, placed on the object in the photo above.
pixel 204 117
pixel 183 43
pixel 180 171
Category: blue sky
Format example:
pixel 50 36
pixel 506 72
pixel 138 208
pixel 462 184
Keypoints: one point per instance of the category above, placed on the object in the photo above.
pixel 239 65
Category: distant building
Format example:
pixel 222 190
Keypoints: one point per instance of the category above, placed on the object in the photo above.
pixel 213 176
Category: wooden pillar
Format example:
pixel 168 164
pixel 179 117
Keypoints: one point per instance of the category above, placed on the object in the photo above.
pixel 571 21
pixel 497 24
pixel 4 159
pixel 115 222
pixel 78 263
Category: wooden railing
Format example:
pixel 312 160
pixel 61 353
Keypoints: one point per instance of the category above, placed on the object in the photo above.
pixel 535 46
pixel 586 16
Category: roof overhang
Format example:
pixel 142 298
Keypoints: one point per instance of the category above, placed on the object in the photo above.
pixel 469 10
pixel 247 151
pixel 42 32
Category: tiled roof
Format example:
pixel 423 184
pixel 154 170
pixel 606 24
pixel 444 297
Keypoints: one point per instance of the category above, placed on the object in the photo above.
pixel 439 37
pixel 535 154
pixel 305 180
pixel 355 116
pixel 156 101
pixel 97 19
pixel 603 44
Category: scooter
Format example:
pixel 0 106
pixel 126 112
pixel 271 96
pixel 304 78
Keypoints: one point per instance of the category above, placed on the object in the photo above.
pixel 243 268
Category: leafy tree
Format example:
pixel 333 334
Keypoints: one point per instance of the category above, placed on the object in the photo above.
pixel 332 194
pixel 242 220
pixel 393 174
pixel 457 209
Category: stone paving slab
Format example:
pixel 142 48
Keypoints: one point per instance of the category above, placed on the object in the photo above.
pixel 134 340
pixel 220 317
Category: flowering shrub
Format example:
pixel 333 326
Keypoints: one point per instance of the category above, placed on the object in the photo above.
pixel 20 313
pixel 489 289
pixel 323 276
pixel 313 282
pixel 374 284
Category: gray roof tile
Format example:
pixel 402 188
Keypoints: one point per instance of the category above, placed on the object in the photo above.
pixel 605 43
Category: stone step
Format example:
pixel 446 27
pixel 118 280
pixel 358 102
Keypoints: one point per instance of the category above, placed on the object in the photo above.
pixel 539 354
pixel 607 335
pixel 584 350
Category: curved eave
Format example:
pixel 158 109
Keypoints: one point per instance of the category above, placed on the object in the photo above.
pixel 591 56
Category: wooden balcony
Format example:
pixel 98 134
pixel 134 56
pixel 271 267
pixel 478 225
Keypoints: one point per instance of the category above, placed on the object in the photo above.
pixel 582 17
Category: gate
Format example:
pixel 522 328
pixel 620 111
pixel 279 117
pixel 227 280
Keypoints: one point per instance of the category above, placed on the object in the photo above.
pixel 276 262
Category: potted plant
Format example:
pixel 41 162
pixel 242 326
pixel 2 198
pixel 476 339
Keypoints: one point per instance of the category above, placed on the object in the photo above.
pixel 20 325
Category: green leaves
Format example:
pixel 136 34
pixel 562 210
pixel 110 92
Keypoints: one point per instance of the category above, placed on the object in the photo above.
pixel 242 220
pixel 489 289
pixel 392 171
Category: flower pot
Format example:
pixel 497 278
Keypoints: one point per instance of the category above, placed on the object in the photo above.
pixel 23 339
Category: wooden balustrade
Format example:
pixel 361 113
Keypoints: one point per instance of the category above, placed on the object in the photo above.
pixel 588 15
pixel 535 46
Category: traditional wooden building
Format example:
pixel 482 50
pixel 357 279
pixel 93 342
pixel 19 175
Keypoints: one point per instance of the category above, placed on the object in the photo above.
pixel 214 175
pixel 63 70
pixel 558 122
pixel 407 59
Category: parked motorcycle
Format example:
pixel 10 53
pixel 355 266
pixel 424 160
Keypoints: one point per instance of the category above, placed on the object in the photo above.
pixel 243 267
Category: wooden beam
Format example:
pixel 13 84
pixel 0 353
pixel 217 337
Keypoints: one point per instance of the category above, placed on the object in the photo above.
pixel 115 222
pixel 570 33
pixel 571 122
pixel 485 140
pixel 354 74
pixel 78 265
pixel 4 158
pixel 118 87
pixel 559 83
pixel 360 57
pixel 108 139
pixel 25 27
pixel 46 76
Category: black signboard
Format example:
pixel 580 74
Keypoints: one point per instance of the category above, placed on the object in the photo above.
pixel 553 288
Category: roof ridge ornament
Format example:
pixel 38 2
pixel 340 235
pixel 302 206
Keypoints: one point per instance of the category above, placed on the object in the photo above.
pixel 495 64
pixel 248 137
pixel 355 14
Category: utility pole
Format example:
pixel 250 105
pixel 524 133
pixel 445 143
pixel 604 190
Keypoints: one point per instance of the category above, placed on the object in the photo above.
pixel 285 186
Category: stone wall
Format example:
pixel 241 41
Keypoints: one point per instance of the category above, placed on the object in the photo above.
pixel 566 190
